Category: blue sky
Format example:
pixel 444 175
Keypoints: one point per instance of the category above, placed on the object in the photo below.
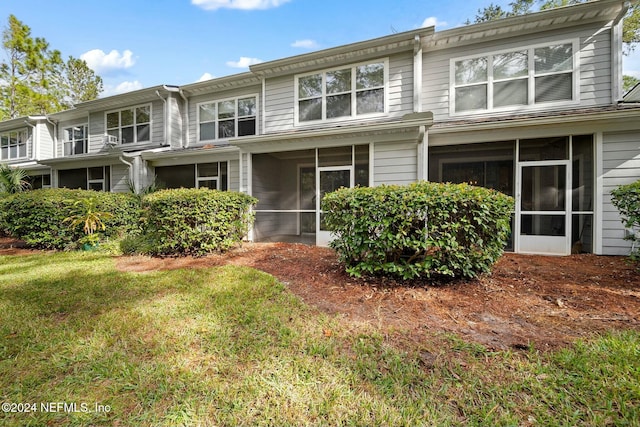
pixel 134 44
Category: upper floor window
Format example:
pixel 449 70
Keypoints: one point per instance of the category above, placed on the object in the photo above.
pixel 517 78
pixel 345 92
pixel 75 140
pixel 131 125
pixel 13 145
pixel 227 118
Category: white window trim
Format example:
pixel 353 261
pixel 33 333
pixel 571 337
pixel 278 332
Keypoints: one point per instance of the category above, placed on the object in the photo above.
pixel 26 142
pixel 217 179
pixel 353 92
pixel 215 101
pixel 531 105
pixel 131 107
pixel 102 181
pixel 65 141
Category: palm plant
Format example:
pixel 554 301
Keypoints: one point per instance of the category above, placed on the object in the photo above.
pixel 13 180
pixel 90 218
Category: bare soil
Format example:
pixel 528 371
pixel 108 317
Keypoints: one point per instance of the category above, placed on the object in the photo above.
pixel 539 301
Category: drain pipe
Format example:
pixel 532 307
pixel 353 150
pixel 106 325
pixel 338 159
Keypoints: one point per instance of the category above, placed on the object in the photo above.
pixel 34 145
pixel 133 184
pixel 55 135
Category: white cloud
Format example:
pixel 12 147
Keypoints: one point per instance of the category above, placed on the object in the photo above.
pixel 101 62
pixel 206 76
pixel 123 87
pixel 244 62
pixel 305 44
pixel 237 4
pixel 432 21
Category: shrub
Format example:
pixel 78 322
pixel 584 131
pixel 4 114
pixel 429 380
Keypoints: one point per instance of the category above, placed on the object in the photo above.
pixel 626 199
pixel 195 221
pixel 37 216
pixel 420 230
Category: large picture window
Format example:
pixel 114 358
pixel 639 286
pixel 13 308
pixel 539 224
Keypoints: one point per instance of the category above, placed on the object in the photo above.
pixel 516 78
pixel 341 93
pixel 227 118
pixel 131 125
pixel 13 145
pixel 75 140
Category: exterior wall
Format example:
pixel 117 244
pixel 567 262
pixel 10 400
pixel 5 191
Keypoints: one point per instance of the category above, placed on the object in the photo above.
pixel 234 175
pixel 280 96
pixel 119 178
pixel 97 126
pixel 595 68
pixel 192 132
pixel 45 142
pixel 621 165
pixel 175 121
pixel 395 163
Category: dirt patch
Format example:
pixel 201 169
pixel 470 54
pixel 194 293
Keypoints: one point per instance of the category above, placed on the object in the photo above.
pixel 546 302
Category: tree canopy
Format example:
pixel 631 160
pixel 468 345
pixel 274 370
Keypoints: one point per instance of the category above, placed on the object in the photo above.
pixel 34 79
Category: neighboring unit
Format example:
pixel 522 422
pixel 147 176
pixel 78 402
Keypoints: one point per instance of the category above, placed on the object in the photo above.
pixel 528 105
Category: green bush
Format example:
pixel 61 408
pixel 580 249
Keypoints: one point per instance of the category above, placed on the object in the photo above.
pixel 626 199
pixel 194 221
pixel 420 230
pixel 37 216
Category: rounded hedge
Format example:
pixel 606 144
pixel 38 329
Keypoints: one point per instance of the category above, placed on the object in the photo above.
pixel 189 221
pixel 38 216
pixel 422 230
pixel 626 198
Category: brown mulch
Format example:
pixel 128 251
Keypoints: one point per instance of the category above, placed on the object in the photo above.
pixel 539 301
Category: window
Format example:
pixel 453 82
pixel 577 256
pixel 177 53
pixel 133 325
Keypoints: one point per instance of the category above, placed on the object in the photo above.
pixel 516 78
pixel 75 140
pixel 341 93
pixel 96 178
pixel 209 175
pixel 40 181
pixel 13 145
pixel 130 126
pixel 227 118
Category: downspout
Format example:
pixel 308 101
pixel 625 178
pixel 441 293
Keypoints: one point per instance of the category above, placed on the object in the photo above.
pixel 185 144
pixel 417 108
pixel 616 54
pixel 35 146
pixel 132 180
pixel 167 129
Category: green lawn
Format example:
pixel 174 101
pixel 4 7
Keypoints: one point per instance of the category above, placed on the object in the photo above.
pixel 231 346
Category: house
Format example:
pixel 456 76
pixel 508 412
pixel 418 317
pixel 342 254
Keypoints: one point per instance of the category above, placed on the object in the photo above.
pixel 529 105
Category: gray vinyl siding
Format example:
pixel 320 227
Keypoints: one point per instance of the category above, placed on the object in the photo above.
pixel 234 175
pixel 279 104
pixel 175 121
pixel 280 94
pixel 395 163
pixel 45 134
pixel 119 178
pixel 621 165
pixel 594 68
pixel 210 97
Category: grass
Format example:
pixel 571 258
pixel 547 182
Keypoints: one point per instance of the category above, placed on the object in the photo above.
pixel 230 346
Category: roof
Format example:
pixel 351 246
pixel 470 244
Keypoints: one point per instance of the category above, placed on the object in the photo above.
pixel 348 53
pixel 633 95
pixel 20 122
pixel 579 14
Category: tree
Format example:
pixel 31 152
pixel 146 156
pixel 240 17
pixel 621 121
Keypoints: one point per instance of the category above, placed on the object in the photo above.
pixel 78 82
pixel 628 82
pixel 35 80
pixel 630 26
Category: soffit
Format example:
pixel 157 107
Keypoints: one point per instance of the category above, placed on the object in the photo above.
pixel 354 52
pixel 221 84
pixel 569 16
